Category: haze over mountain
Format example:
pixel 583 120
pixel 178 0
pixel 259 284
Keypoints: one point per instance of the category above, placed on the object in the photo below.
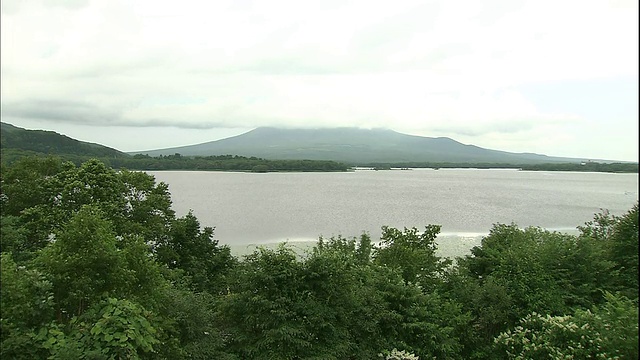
pixel 353 146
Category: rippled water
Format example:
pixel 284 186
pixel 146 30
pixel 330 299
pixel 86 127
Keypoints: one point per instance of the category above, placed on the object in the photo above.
pixel 249 208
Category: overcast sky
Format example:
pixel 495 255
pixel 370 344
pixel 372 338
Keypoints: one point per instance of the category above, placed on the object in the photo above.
pixel 553 77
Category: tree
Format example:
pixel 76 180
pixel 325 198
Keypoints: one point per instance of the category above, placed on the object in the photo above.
pixel 45 194
pixel 623 251
pixel 609 331
pixel 110 329
pixel 516 272
pixel 147 207
pixel 262 312
pixel 413 254
pixel 331 303
pixel 26 301
pixel 84 263
pixel 14 238
pixel 192 249
pixel 24 184
pixel 191 325
pixel 616 238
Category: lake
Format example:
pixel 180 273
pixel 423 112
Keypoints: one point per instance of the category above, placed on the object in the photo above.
pixel 249 209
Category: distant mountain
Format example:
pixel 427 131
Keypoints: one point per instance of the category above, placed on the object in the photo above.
pixel 353 146
pixel 50 142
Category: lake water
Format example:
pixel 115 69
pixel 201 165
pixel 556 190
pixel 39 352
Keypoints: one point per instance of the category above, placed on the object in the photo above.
pixel 249 209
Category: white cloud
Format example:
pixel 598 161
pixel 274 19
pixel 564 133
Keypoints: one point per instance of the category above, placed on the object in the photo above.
pixel 446 68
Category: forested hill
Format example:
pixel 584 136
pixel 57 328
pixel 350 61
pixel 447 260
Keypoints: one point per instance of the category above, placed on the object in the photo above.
pixel 17 143
pixel 355 146
pixel 50 142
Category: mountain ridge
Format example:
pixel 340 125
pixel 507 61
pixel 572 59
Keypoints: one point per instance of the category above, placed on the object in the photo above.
pixel 51 142
pixel 354 146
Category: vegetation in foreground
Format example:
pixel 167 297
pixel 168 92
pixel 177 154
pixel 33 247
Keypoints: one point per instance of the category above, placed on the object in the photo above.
pixel 96 265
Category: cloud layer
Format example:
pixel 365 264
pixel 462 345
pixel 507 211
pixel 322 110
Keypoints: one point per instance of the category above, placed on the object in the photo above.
pixel 434 68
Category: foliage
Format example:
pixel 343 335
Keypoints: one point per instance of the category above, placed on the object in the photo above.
pixel 545 272
pixel 413 254
pixel 96 265
pixel 591 166
pixel 261 312
pixel 623 251
pixel 516 272
pixel 26 301
pixel 196 252
pixel 617 237
pixel 607 332
pixel 110 329
pixel 83 263
pixel 13 237
pixel 334 303
pixel 396 354
pixel 190 325
pixel 179 162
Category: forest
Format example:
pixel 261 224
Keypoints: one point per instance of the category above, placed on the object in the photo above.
pixel 179 162
pixel 97 265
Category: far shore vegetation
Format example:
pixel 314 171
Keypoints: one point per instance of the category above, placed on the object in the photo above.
pixel 588 166
pixel 254 164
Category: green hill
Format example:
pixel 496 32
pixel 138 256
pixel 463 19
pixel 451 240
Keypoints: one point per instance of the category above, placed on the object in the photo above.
pixel 17 143
pixel 14 139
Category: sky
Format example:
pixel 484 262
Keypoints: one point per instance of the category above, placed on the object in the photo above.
pixel 553 77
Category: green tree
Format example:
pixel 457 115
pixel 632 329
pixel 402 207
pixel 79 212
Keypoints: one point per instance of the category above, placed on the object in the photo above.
pixel 26 302
pixel 516 272
pixel 616 239
pixel 490 307
pixel 147 207
pixel 45 195
pixel 262 310
pixel 14 238
pixel 110 329
pixel 623 251
pixel 24 184
pixel 192 249
pixel 544 272
pixel 609 331
pixel 84 263
pixel 191 324
pixel 413 253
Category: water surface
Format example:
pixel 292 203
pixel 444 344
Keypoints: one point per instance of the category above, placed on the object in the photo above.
pixel 249 208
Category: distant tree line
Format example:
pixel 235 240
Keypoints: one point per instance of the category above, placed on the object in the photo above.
pixel 96 265
pixel 590 166
pixel 224 163
pixel 179 162
pixel 254 164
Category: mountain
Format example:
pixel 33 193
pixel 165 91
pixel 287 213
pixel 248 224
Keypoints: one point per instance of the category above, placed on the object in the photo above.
pixel 353 146
pixel 50 142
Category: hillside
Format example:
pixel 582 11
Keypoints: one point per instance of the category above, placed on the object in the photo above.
pixel 17 143
pixel 353 146
pixel 50 142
